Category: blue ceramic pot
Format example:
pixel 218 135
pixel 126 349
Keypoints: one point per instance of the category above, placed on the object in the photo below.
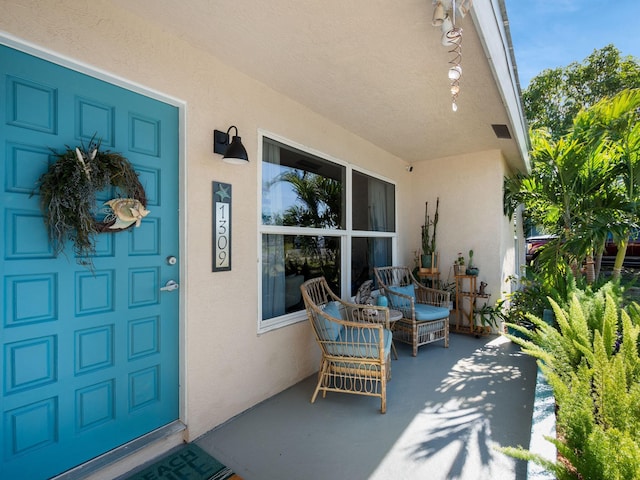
pixel 382 301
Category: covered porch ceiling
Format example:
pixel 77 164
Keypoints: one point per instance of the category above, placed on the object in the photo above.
pixel 375 67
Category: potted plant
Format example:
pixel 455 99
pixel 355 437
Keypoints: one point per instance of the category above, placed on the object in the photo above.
pixel 459 266
pixel 490 315
pixel 428 258
pixel 451 288
pixel 471 268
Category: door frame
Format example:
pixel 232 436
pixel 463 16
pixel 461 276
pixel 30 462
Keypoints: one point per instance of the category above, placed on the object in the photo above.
pixel 96 72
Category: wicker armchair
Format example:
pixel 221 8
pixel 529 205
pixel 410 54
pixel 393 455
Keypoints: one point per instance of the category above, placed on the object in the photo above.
pixel 355 341
pixel 425 311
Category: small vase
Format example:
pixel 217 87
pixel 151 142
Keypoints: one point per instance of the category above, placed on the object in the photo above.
pixel 382 301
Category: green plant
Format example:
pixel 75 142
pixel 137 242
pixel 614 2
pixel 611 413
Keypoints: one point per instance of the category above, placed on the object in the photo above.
pixel 555 96
pixel 471 265
pixel 535 287
pixel 428 236
pixel 529 298
pixel 491 315
pixel 592 363
pixel 583 185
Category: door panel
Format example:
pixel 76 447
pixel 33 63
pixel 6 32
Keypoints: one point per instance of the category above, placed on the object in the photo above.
pixel 89 358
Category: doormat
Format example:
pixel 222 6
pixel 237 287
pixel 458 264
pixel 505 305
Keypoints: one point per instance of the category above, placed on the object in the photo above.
pixel 189 462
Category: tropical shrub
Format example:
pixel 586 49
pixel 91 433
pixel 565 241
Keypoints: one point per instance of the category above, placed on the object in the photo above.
pixel 592 363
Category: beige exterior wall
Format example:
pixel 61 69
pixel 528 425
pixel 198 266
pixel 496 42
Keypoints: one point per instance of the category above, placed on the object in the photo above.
pixel 226 366
pixel 470 215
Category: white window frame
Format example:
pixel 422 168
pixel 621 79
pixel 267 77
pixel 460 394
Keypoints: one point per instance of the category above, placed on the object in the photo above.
pixel 264 326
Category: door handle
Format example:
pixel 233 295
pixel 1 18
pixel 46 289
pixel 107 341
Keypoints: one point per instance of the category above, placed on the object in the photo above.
pixel 170 286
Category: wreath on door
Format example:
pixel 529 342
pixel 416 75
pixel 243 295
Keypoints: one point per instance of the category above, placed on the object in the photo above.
pixel 68 198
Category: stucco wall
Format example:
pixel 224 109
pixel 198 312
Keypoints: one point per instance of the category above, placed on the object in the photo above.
pixel 470 215
pixel 227 367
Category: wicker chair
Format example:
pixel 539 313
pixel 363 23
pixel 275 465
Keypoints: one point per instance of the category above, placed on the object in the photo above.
pixel 355 341
pixel 425 311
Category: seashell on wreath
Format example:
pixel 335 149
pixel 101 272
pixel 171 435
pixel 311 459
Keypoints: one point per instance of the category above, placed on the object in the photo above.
pixel 124 212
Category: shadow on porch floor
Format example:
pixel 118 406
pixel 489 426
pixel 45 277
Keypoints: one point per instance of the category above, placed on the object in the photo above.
pixel 446 411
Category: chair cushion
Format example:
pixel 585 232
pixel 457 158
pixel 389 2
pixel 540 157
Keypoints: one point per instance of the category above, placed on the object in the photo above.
pixel 406 290
pixel 429 312
pixel 360 343
pixel 398 302
pixel 330 330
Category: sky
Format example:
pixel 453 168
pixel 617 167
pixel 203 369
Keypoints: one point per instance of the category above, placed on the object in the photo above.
pixel 555 33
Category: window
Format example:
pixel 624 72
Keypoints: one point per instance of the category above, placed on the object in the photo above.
pixel 289 260
pixel 305 204
pixel 373 210
pixel 299 190
pixel 366 253
pixel 374 204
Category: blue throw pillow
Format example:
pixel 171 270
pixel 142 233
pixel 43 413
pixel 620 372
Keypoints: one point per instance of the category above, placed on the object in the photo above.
pixel 330 330
pixel 333 310
pixel 406 290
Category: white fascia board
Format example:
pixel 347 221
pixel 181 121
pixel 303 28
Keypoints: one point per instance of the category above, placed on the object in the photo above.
pixel 490 19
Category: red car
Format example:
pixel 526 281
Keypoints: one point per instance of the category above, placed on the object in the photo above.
pixel 534 243
pixel 632 258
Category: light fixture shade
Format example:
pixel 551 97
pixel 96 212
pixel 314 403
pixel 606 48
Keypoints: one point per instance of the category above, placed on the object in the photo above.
pixel 438 15
pixel 455 72
pixel 232 151
pixel 236 153
pixel 446 26
pixel 454 35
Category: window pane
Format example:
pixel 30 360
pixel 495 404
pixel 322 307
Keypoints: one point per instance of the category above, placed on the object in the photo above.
pixel 374 204
pixel 301 190
pixel 289 260
pixel 367 253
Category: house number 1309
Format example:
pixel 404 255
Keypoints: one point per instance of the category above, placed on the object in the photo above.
pixel 222 235
pixel 221 227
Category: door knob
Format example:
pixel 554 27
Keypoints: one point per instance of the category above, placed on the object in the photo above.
pixel 170 286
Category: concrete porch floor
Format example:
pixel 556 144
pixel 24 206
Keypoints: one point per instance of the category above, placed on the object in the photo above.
pixel 447 410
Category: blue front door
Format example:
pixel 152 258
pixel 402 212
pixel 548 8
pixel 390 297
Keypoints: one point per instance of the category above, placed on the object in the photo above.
pixel 89 358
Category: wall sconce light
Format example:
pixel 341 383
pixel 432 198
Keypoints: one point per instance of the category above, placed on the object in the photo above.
pixel 232 151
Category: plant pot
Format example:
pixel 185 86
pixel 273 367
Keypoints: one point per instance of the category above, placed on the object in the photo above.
pixel 517 333
pixel 472 271
pixel 382 301
pixel 429 263
pixel 459 270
